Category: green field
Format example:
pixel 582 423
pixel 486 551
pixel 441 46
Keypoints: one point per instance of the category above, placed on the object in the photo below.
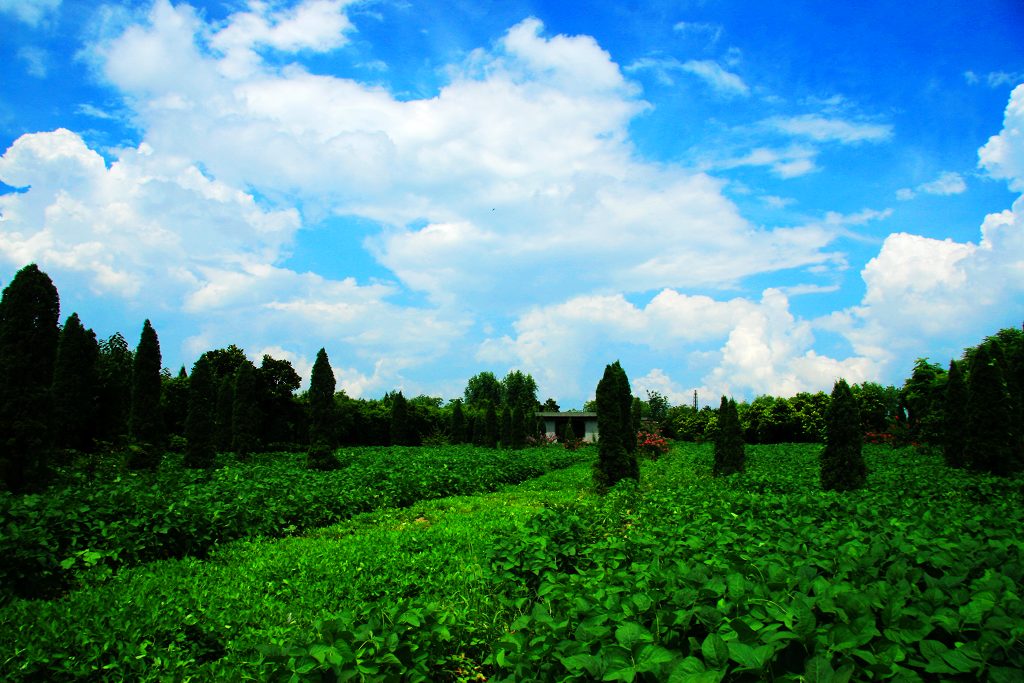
pixel 759 576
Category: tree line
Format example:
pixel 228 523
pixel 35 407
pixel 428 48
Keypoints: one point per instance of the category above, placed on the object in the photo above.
pixel 70 399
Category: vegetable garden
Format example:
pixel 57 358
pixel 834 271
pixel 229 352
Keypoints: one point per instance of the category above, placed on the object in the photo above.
pixel 522 573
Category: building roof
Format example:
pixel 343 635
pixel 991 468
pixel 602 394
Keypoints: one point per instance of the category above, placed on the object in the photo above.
pixel 567 414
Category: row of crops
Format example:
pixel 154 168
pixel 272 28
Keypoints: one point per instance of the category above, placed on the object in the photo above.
pixel 758 576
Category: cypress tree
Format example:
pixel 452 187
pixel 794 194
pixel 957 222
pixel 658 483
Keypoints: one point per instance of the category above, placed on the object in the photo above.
pixel 506 427
pixel 954 422
pixel 518 428
pixel 200 424
pixel 114 388
pixel 145 423
pixel 29 314
pixel 569 435
pixel 245 415
pixel 491 427
pixel 400 428
pixel 321 415
pixel 174 402
pixel 617 445
pixel 74 386
pixel 989 445
pixel 225 408
pixel 729 451
pixel 458 424
pixel 842 460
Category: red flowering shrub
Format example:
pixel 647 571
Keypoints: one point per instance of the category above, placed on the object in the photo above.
pixel 651 444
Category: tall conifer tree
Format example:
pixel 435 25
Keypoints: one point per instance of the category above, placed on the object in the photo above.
pixel 145 422
pixel 491 427
pixel 245 415
pixel 954 424
pixel 321 415
pixel 114 388
pixel 401 433
pixel 842 459
pixel 74 386
pixel 29 314
pixel 617 442
pixel 729 451
pixel 990 444
pixel 200 424
pixel 518 428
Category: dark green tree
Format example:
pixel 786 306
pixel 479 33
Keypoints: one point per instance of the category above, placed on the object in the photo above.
pixel 29 314
pixel 114 389
pixel 506 427
pixel 200 423
pixel 491 427
pixel 519 389
pixel 658 406
pixel 481 389
pixel 401 433
pixel 954 422
pixel 921 398
pixel 617 442
pixel 74 386
pixel 145 422
pixel 842 459
pixel 321 415
pixel 280 411
pixel 730 454
pixel 245 412
pixel 457 429
pixel 636 412
pixel 174 402
pixel 518 439
pixel 550 406
pixel 990 444
pixel 225 410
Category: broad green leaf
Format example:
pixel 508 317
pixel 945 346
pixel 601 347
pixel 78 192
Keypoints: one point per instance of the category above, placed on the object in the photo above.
pixel 630 633
pixel 715 651
pixel 651 657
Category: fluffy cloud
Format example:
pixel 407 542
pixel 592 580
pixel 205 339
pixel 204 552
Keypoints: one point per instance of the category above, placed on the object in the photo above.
pixel 32 12
pixel 1003 155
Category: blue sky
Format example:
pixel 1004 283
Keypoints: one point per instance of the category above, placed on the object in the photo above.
pixel 738 198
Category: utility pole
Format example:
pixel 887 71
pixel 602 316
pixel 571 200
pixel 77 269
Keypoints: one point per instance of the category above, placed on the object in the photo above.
pixel 694 400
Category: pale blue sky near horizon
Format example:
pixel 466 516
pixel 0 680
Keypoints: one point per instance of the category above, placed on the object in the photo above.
pixel 739 198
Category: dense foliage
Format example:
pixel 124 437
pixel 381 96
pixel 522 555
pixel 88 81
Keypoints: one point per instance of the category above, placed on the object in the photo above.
pixel 145 424
pixel 730 453
pixel 842 459
pixel 914 576
pixel 617 443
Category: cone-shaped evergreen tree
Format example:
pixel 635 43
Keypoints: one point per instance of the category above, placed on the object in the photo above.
pixel 321 415
pixel 174 403
pixel 29 312
pixel 491 427
pixel 569 434
pixel 518 428
pixel 145 422
pixel 989 444
pixel 954 421
pixel 842 459
pixel 506 427
pixel 401 430
pixel 457 428
pixel 617 444
pixel 225 408
pixel 200 424
pixel 730 454
pixel 74 386
pixel 245 413
pixel 114 389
